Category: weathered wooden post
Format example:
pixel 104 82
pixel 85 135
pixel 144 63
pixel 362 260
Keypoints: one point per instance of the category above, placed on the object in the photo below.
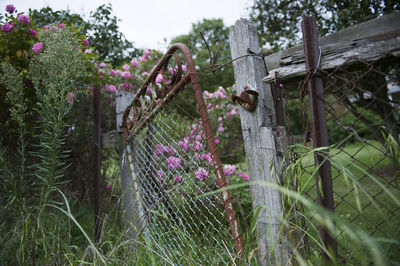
pixel 264 141
pixel 129 190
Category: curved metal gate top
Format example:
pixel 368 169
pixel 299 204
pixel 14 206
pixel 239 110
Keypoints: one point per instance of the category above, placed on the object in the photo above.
pixel 174 161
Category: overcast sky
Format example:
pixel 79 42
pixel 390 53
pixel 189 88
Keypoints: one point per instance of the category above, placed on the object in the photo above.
pixel 147 22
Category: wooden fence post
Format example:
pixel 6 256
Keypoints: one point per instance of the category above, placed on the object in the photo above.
pixel 264 141
pixel 130 192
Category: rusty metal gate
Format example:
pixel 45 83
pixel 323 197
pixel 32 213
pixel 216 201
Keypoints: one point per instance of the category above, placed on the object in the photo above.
pixel 175 166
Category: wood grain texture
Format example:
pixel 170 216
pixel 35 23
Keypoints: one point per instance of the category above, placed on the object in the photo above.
pixel 259 128
pixel 370 41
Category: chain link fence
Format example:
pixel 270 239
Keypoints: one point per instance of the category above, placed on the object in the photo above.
pixel 362 112
pixel 176 173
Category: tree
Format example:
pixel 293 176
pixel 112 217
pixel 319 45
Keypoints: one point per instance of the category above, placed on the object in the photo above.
pixel 217 37
pixel 278 21
pixel 101 29
pixel 279 25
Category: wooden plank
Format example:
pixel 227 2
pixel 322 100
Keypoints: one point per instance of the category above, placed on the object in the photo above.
pixel 368 41
pixel 259 128
pixel 123 99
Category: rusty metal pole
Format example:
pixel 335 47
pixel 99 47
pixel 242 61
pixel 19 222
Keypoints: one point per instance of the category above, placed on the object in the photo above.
pixel 319 129
pixel 97 162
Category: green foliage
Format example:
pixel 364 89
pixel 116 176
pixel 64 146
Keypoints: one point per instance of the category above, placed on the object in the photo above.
pixel 278 22
pixel 217 36
pixel 33 173
pixel 101 28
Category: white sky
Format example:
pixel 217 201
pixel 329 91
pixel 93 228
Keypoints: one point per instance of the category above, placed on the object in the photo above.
pixel 147 22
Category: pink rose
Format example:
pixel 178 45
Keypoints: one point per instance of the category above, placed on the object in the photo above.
pixel 85 42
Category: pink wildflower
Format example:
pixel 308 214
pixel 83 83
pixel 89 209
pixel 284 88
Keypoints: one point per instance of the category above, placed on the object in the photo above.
pixel 32 32
pixel 201 174
pixel 24 19
pixel 108 187
pixel 244 176
pixel 61 25
pixel 6 28
pixel 112 72
pixel 207 157
pixel 70 97
pixel 197 145
pixel 37 47
pixel 160 173
pixel 102 64
pixel 221 129
pixel 159 78
pixel 134 63
pixel 178 179
pixel 146 53
pixel 125 67
pixel 88 51
pixel 217 141
pixel 10 8
pixel 86 42
pixel 173 162
pixel 229 169
pixel 110 88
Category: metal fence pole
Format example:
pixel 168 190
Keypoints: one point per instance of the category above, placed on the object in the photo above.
pixel 97 162
pixel 319 128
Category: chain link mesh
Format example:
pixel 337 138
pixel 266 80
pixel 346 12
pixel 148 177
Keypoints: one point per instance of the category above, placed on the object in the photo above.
pixel 173 169
pixel 363 111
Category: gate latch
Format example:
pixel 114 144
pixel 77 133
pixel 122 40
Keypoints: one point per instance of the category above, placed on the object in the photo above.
pixel 247 99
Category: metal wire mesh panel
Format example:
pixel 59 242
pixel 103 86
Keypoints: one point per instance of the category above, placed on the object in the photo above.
pixel 176 172
pixel 362 108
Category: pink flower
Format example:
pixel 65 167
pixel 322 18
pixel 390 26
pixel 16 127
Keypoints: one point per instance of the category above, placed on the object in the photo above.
pixel 142 59
pixel 146 53
pixel 32 32
pixel 221 129
pixel 6 28
pixel 178 179
pixel 110 88
pixel 86 42
pixel 70 97
pixel 160 173
pixel 112 72
pixel 61 25
pixel 229 169
pixel 134 63
pixel 88 51
pixel 244 176
pixel 159 78
pixel 207 157
pixel 10 8
pixel 24 19
pixel 127 75
pixel 102 64
pixel 197 145
pixel 37 47
pixel 125 67
pixel 108 187
pixel 217 141
pixel 173 162
pixel 201 174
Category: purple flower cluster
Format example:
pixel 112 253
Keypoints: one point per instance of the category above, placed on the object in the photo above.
pixel 37 47
pixel 229 169
pixel 163 149
pixel 6 27
pixel 201 174
pixel 10 8
pixel 24 19
pixel 173 162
